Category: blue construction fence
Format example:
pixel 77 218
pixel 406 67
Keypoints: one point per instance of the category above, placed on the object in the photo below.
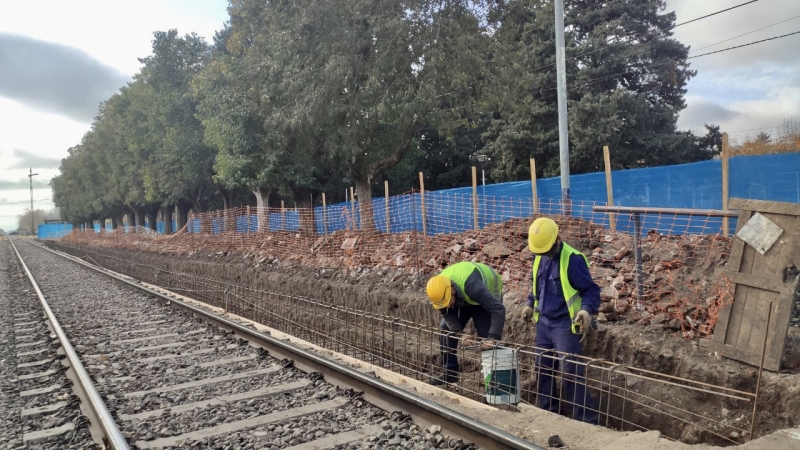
pixel 53 230
pixel 689 186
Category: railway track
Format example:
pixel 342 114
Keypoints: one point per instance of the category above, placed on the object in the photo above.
pixel 162 373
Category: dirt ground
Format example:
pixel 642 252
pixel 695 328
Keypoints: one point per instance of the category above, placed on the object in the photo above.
pixel 682 285
pixel 533 424
pixel 398 293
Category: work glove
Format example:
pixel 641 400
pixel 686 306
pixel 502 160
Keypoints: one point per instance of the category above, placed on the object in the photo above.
pixel 527 314
pixel 488 344
pixel 584 320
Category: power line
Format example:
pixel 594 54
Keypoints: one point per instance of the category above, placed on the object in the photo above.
pixel 25 201
pixel 745 34
pixel 648 42
pixel 714 13
pixel 745 45
pixel 596 80
pixel 754 129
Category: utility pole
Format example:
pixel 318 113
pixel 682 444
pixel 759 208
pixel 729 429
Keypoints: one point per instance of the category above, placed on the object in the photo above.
pixel 563 130
pixel 31 175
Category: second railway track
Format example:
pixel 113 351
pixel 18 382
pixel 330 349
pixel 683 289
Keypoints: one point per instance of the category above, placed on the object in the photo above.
pixel 175 376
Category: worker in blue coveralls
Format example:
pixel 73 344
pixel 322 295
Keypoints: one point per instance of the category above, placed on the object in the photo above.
pixel 464 291
pixel 562 302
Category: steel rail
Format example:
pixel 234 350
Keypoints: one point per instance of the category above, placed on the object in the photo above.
pixel 376 391
pixel 107 423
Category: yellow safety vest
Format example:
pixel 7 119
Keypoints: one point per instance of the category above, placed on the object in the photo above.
pixel 571 295
pixel 459 272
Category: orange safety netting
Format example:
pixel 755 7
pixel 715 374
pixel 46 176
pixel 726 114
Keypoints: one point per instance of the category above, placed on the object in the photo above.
pixel 681 288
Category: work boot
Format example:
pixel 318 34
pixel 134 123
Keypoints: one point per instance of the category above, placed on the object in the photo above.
pixel 450 378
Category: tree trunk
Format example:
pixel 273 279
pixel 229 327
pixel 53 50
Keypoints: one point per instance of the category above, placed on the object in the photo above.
pixel 139 219
pixel 89 226
pixel 114 223
pixel 152 217
pixel 229 216
pixel 262 208
pixel 166 215
pixel 183 213
pixel 367 219
pixel 305 209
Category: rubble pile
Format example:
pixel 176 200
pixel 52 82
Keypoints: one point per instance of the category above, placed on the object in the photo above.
pixel 682 286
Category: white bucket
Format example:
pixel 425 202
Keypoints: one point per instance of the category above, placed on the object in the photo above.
pixel 500 370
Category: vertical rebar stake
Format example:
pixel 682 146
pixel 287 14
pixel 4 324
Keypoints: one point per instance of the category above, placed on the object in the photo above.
pixel 637 232
pixel 760 370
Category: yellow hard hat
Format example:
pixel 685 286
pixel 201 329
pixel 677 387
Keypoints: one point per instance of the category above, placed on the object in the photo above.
pixel 542 235
pixel 439 290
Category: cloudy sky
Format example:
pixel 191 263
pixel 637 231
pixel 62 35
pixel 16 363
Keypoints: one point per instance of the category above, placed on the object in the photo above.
pixel 60 59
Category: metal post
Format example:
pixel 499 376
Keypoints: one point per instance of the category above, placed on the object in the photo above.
pixel 30 176
pixel 563 130
pixel 416 244
pixel 760 370
pixel 637 232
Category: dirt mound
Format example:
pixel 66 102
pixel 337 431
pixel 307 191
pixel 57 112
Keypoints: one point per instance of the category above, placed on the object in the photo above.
pixel 682 289
pixel 400 296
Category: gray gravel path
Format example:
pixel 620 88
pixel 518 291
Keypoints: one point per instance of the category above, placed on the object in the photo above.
pixel 23 330
pixel 166 374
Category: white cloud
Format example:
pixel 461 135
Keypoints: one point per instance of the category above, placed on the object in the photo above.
pixel 40 133
pixel 743 118
pixel 746 88
pixel 116 33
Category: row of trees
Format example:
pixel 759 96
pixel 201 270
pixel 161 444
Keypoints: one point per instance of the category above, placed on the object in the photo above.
pixel 786 140
pixel 24 221
pixel 297 98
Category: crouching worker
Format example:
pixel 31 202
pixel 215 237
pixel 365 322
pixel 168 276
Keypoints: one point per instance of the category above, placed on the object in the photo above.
pixel 562 302
pixel 461 292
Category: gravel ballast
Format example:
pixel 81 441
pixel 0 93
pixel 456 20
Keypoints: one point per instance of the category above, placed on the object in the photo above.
pixel 166 374
pixel 23 330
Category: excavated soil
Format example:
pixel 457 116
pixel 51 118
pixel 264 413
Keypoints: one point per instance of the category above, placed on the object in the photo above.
pixel 682 283
pixel 635 339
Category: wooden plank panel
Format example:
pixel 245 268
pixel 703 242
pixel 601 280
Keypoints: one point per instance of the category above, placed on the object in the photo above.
pixel 755 281
pixel 781 318
pixel 773 270
pixel 792 209
pixel 754 330
pixel 782 313
pixel 741 294
pixel 735 261
pixel 737 245
pixel 746 357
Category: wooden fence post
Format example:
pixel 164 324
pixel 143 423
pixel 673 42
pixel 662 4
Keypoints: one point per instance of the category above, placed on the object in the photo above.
pixel 725 180
pixel 475 196
pixel 609 187
pixel 422 204
pixel 534 190
pixel 353 208
pixel 386 192
pixel 324 215
pixel 283 216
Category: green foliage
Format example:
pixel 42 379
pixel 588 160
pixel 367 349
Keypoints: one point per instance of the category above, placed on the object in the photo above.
pixel 309 96
pixel 626 80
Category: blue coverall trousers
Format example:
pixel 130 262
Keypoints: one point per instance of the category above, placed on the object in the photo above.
pixel 482 320
pixel 557 335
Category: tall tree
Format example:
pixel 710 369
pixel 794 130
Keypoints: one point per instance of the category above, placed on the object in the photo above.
pixel 626 81
pixel 365 74
pixel 182 163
